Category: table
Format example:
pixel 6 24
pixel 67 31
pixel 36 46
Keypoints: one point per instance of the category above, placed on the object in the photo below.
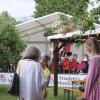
pixel 78 81
pixel 81 83
pixel 71 90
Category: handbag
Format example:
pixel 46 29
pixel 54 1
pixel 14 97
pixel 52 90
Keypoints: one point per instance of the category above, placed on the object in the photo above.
pixel 15 85
pixel 14 88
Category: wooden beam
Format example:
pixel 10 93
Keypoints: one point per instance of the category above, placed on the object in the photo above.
pixel 64 42
pixel 55 53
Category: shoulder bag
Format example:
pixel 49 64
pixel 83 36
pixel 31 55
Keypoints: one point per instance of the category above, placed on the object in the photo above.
pixel 14 87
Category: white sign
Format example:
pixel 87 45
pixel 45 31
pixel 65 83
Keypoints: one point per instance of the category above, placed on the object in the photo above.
pixel 6 78
pixel 64 80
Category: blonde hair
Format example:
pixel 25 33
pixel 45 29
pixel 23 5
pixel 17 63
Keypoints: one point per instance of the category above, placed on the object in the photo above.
pixel 31 52
pixel 93 42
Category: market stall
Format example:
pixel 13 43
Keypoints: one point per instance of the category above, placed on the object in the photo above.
pixel 59 40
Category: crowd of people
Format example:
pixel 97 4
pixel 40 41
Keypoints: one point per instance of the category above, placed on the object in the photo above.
pixel 68 64
pixel 35 74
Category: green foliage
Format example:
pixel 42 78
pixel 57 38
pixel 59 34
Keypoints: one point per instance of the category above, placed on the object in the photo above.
pixel 95 14
pixel 76 8
pixel 84 24
pixel 6 17
pixel 49 31
pixel 11 44
pixel 71 7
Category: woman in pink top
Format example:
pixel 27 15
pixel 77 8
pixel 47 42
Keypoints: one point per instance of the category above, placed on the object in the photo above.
pixel 92 88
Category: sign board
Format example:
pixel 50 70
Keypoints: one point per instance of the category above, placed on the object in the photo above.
pixel 6 78
pixel 64 80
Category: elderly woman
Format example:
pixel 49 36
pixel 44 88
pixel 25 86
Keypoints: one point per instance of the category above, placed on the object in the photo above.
pixel 92 88
pixel 31 75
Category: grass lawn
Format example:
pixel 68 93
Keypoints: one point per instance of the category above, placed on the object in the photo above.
pixel 5 96
pixel 60 95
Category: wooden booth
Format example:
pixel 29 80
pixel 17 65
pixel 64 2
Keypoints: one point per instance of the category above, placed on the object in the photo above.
pixel 59 40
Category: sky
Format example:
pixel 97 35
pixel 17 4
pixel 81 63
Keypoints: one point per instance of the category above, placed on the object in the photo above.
pixel 18 8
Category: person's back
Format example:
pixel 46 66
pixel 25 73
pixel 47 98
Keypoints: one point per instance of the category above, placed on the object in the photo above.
pixel 74 63
pixel 30 84
pixel 85 63
pixel 85 67
pixel 66 62
pixel 52 64
pixel 31 75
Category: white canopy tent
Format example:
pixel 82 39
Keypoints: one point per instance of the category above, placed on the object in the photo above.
pixel 32 31
pixel 37 25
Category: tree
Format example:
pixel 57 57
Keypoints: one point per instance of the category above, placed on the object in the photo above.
pixel 11 44
pixel 71 7
pixel 95 13
pixel 76 8
pixel 6 17
pixel 92 17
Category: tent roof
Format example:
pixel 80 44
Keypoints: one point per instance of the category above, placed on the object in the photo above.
pixel 37 25
pixel 75 33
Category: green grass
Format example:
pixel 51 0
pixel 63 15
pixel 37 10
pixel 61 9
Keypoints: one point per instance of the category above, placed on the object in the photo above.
pixel 5 96
pixel 51 94
pixel 60 95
